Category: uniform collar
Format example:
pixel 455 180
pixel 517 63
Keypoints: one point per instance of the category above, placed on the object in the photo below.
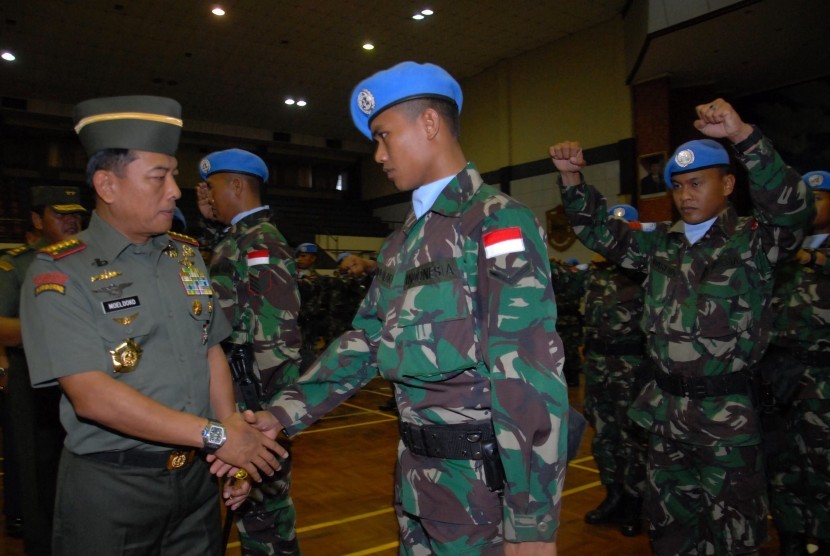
pixel 113 243
pixel 238 218
pixel 455 196
pixel 725 223
pixel 250 217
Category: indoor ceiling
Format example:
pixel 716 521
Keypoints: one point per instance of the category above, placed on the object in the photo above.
pixel 238 69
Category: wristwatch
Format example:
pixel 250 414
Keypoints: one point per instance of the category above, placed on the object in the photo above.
pixel 213 436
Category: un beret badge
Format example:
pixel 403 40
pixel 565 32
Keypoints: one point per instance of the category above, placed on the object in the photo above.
pixel 366 101
pixel 684 157
pixel 816 180
pixel 204 166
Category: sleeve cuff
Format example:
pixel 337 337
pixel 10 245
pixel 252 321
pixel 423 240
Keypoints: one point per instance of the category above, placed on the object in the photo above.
pixel 530 527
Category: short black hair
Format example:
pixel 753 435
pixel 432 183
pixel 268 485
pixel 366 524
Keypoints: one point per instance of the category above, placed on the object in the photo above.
pixel 448 111
pixel 115 160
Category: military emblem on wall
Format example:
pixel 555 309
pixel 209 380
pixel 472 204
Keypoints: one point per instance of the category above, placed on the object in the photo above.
pixel 560 234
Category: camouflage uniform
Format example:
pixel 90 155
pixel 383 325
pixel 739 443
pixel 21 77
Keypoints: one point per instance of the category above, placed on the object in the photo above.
pixel 799 469
pixel 466 339
pixel 260 299
pixel 569 285
pixel 615 362
pixel 705 315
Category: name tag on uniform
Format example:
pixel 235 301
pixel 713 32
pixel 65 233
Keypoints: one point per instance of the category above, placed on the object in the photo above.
pixel 119 304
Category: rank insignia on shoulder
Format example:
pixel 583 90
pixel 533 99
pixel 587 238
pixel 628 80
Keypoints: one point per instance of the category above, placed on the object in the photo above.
pixel 6 266
pixel 64 248
pixel 183 238
pixel 17 251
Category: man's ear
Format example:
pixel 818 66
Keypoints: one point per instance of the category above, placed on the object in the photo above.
pixel 37 221
pixel 728 184
pixel 237 186
pixel 105 185
pixel 431 122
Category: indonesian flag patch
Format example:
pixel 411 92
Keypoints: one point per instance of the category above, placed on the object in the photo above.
pixel 504 241
pixel 257 257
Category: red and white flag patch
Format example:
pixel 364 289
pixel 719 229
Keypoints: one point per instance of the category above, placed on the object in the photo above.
pixel 502 242
pixel 257 257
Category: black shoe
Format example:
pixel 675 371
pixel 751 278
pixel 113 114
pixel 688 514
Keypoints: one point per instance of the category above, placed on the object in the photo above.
pixel 390 405
pixel 14 527
pixel 632 522
pixel 792 544
pixel 610 508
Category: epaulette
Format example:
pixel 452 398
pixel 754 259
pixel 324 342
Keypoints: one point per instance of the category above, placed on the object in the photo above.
pixel 64 248
pixel 15 251
pixel 6 266
pixel 183 238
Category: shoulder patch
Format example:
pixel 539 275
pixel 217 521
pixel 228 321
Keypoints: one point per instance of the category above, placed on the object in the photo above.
pixel 14 252
pixel 64 248
pixel 183 238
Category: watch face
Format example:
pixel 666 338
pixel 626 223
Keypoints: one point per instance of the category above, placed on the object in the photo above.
pixel 215 436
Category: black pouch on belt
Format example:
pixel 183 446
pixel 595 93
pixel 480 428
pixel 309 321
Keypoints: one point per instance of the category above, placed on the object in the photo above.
pixel 491 463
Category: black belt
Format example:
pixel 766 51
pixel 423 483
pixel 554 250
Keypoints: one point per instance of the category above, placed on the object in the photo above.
pixel 447 441
pixel 170 459
pixel 700 387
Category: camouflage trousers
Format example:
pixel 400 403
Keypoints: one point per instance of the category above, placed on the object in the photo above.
pixel 799 472
pixel 427 537
pixel 619 445
pixel 267 520
pixel 705 500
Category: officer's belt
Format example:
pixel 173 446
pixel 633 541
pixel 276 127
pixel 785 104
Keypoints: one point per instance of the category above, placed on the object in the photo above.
pixel 446 441
pixel 699 387
pixel 812 358
pixel 170 459
pixel 597 346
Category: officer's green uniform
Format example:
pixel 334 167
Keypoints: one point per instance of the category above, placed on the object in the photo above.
pixel 252 273
pixel 705 318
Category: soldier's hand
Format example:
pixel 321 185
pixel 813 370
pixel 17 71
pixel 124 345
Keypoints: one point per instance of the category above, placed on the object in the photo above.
pixel 535 548
pixel 236 490
pixel 718 119
pixel 263 421
pixel 204 201
pixel 569 161
pixel 248 448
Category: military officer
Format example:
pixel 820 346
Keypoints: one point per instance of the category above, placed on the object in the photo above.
pixel 122 317
pixel 799 462
pixel 252 273
pixel 461 317
pixel 707 294
pixel 38 435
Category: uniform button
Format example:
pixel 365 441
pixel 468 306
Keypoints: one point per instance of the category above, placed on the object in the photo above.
pixel 542 527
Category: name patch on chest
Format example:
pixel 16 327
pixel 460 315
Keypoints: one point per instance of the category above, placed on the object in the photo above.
pixel 119 304
pixel 431 273
pixel 384 275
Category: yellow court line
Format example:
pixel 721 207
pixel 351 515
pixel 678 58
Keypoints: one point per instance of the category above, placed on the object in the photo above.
pixel 374 549
pixel 580 460
pixel 581 488
pixel 591 469
pixel 372 411
pixel 328 429
pixel 358 517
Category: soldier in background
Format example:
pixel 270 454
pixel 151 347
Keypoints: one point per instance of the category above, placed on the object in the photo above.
pixel 38 434
pixel 306 254
pixel 461 317
pixel 569 287
pixel 252 272
pixel 797 366
pixel 615 369
pixel 708 289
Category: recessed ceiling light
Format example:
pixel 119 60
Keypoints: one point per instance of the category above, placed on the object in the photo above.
pixel 418 17
pixel 8 56
pixel 218 11
pixel 427 12
pixel 301 103
pixel 289 101
pixel 368 46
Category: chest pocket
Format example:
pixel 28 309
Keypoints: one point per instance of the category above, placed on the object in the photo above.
pixel 435 333
pixel 727 298
pixel 124 335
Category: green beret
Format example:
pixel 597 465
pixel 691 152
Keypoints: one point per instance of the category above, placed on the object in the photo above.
pixel 143 123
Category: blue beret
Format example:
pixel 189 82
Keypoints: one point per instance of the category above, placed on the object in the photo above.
pixel 695 155
pixel 626 212
pixel 233 160
pixel 405 81
pixel 306 248
pixel 818 180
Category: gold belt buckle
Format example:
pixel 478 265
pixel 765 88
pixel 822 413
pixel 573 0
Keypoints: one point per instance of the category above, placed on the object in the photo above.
pixel 179 458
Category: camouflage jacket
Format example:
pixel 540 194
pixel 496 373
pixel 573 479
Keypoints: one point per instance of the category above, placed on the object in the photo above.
pixel 801 305
pixel 569 286
pixel 613 305
pixel 706 305
pixel 465 338
pixel 252 272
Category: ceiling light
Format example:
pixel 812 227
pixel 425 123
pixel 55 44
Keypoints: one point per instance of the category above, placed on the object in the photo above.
pixel 289 101
pixel 301 103
pixel 218 11
pixel 368 46
pixel 418 17
pixel 8 56
pixel 427 12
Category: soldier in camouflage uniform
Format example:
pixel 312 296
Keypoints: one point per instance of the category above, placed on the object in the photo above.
pixel 799 464
pixel 569 285
pixel 252 272
pixel 461 317
pixel 616 366
pixel 705 316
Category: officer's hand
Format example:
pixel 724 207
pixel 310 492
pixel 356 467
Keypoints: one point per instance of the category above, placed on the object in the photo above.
pixel 535 548
pixel 568 159
pixel 718 119
pixel 236 491
pixel 250 449
pixel 204 201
